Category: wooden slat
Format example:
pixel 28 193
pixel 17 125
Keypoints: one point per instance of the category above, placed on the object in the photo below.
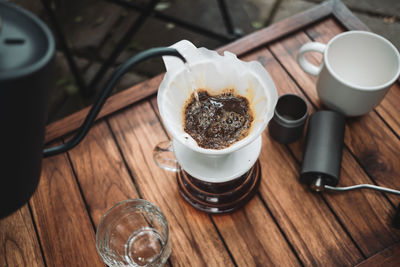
pixel 307 222
pixel 251 234
pixel 375 146
pixel 65 231
pixel 114 103
pixel 389 109
pixel 253 237
pixel 309 225
pixel 18 241
pixel 100 170
pixel 385 258
pixel 194 239
pixel 368 138
pixel 364 223
pixel 279 29
pixel 346 17
pixel 244 45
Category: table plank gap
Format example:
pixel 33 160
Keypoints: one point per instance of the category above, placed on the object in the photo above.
pixel 124 159
pixel 297 209
pixel 286 85
pixel 387 118
pixel 100 169
pixel 311 103
pixel 294 151
pixel 282 191
pixel 379 161
pixel 314 106
pixel 194 238
pixel 61 235
pixel 389 109
pixel 80 188
pixel 221 237
pixel 285 221
pixel 137 92
pixel 376 222
pixel 387 257
pixel 19 243
pixel 36 233
pixel 292 248
pixel 232 227
pixel 114 103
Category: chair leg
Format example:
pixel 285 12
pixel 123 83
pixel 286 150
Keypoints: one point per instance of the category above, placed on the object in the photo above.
pixel 64 46
pixel 234 33
pixel 123 42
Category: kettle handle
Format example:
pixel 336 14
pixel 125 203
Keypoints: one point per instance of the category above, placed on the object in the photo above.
pixel 106 92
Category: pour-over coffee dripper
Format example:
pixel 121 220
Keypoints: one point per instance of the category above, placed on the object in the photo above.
pixel 213 180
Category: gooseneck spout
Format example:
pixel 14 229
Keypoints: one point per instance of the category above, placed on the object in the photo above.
pixel 106 92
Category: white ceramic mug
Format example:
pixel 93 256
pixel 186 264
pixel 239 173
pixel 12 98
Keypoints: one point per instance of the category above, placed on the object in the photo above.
pixel 357 70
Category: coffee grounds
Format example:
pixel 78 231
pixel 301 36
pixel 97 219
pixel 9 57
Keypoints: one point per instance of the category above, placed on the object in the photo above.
pixel 217 121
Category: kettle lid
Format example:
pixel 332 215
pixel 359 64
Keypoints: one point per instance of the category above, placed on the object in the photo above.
pixel 26 43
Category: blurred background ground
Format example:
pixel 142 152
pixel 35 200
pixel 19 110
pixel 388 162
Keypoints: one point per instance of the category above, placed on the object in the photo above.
pixel 88 32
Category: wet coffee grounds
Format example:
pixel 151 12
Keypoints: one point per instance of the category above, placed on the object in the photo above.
pixel 217 121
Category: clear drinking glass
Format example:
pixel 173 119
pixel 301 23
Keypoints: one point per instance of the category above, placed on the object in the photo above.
pixel 134 232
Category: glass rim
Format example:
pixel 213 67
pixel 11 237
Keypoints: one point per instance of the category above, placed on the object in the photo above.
pixel 139 202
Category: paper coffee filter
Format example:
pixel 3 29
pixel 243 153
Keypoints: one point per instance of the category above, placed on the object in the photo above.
pixel 214 73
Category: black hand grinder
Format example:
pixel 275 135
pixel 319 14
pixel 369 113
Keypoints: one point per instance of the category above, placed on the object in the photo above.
pixel 27 49
pixel 323 155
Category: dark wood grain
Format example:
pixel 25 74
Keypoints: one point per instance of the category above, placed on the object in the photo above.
pixel 386 258
pixel 329 8
pixel 309 225
pixel 195 241
pixel 239 47
pixel 101 171
pixel 375 146
pixel 253 237
pixel 251 234
pixel 19 245
pixel 284 225
pixel 312 231
pixel 114 103
pixel 64 227
pixel 389 109
pixel 365 223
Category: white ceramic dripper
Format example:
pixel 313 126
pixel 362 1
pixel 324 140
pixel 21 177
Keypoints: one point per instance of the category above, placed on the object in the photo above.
pixel 214 73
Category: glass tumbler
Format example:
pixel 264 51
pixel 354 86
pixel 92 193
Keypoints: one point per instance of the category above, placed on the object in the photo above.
pixel 133 232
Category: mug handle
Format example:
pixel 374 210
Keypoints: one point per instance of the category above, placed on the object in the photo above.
pixel 304 63
pixel 164 157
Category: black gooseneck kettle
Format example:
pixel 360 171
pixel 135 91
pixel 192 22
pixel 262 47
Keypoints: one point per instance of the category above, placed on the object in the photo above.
pixel 27 50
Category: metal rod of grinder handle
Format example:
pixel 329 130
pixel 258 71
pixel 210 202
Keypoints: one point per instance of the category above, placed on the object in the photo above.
pixel 363 186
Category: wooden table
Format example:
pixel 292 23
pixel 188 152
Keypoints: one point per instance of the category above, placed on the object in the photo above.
pixel 285 224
